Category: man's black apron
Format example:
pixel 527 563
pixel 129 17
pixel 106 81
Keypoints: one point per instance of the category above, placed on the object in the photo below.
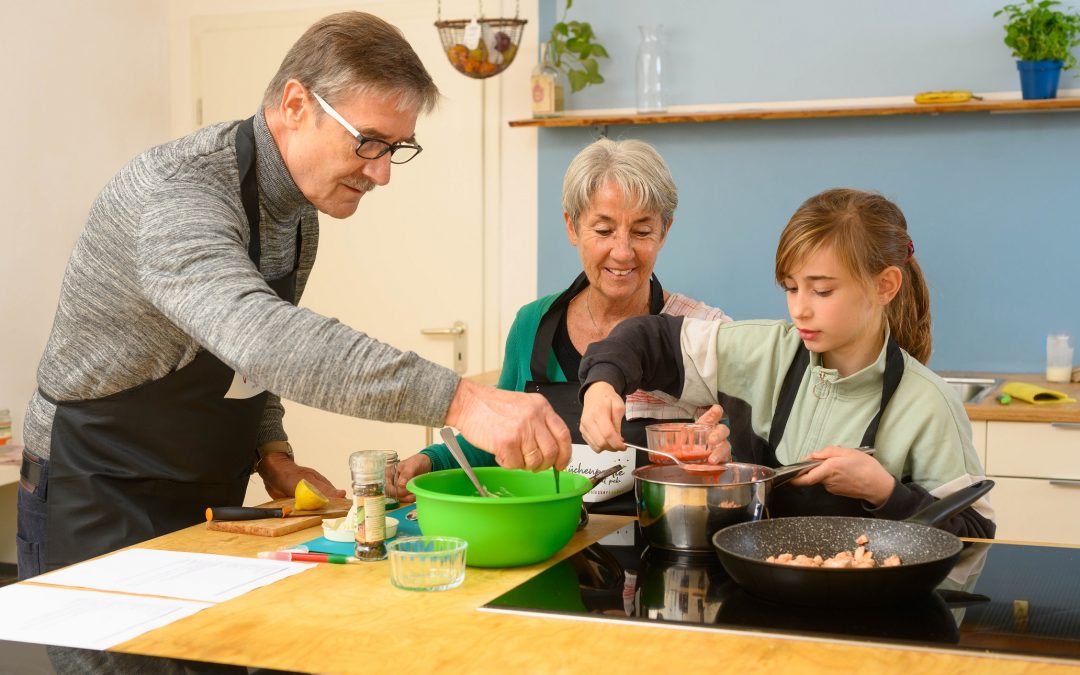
pixel 815 500
pixel 149 460
pixel 563 396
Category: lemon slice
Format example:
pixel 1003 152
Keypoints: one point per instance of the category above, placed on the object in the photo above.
pixel 308 497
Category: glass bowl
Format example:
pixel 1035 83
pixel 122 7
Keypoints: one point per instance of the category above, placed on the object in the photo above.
pixel 427 563
pixel 688 441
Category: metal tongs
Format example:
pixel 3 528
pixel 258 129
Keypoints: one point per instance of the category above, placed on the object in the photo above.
pixel 455 450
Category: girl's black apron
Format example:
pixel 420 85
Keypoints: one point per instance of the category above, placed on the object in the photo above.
pixel 563 396
pixel 815 500
pixel 149 460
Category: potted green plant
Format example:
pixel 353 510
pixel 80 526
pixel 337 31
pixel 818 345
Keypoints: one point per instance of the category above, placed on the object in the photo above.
pixel 570 53
pixel 1041 38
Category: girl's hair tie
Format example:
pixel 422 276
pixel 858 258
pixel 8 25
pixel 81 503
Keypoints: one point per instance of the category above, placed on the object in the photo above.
pixel 910 249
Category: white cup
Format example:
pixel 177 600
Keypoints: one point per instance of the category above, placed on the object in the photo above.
pixel 1059 357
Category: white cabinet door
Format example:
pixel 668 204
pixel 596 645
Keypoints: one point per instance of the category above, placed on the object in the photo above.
pixel 1037 510
pixel 412 255
pixel 1036 470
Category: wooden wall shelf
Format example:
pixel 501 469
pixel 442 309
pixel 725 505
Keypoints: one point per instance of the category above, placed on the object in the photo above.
pixel 748 112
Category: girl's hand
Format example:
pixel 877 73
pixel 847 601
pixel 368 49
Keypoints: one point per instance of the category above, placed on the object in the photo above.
pixel 601 418
pixel 408 469
pixel 719 447
pixel 849 473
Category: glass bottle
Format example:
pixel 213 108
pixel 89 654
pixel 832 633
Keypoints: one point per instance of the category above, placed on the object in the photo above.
pixel 368 469
pixel 547 89
pixel 392 501
pixel 650 70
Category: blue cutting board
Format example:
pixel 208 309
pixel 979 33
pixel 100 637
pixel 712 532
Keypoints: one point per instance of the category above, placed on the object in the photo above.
pixel 406 528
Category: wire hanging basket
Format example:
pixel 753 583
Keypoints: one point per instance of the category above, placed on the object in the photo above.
pixel 480 48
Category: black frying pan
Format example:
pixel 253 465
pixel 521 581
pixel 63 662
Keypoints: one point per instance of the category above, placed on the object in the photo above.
pixel 928 554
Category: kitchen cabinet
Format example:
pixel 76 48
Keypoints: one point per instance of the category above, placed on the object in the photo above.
pixel 1036 468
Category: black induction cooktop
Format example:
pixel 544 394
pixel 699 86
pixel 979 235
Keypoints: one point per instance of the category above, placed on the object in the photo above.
pixel 1000 598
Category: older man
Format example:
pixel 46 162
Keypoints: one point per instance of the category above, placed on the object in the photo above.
pixel 177 315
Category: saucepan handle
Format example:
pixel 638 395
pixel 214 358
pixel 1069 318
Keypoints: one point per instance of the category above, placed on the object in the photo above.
pixel 950 505
pixel 786 473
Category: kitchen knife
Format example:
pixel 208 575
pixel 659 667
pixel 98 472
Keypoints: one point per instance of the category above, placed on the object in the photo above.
pixel 245 513
pixel 336 507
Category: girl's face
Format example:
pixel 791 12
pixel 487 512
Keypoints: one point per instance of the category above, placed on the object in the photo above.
pixel 838 315
pixel 617 244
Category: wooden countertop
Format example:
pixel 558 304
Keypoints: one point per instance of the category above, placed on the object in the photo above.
pixel 350 619
pixel 1019 411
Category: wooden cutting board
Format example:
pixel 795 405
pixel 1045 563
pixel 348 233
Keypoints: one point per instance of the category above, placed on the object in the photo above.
pixel 275 527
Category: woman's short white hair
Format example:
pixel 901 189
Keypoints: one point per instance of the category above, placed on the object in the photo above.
pixel 636 169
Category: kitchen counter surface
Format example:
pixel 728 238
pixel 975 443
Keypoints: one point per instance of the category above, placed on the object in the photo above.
pixel 1019 411
pixel 350 619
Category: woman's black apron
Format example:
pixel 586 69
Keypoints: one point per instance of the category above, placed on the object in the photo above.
pixel 149 460
pixel 563 396
pixel 815 500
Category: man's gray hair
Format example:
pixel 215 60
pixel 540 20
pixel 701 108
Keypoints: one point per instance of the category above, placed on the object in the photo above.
pixel 635 168
pixel 354 53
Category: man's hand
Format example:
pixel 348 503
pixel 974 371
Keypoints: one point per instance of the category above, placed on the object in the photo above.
pixel 849 473
pixel 280 475
pixel 407 470
pixel 719 447
pixel 521 430
pixel 601 418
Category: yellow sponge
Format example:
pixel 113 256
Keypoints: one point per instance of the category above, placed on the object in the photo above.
pixel 1033 393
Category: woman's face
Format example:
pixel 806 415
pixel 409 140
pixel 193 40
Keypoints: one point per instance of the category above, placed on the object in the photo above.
pixel 838 315
pixel 617 244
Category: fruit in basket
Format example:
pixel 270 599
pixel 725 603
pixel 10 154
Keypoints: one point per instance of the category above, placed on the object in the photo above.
pixel 487 68
pixel 503 41
pixel 508 54
pixel 458 55
pixel 479 54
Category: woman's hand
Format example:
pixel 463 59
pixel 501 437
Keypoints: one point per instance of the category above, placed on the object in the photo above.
pixel 849 473
pixel 719 447
pixel 408 469
pixel 601 418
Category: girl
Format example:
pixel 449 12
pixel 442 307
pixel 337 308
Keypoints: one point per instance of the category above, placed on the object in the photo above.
pixel 846 372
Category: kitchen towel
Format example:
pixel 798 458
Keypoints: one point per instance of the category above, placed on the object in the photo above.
pixel 1033 393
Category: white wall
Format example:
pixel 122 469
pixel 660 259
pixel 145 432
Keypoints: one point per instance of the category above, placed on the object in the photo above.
pixel 89 84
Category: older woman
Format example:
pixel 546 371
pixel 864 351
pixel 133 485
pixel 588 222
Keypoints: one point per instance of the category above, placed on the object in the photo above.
pixel 619 203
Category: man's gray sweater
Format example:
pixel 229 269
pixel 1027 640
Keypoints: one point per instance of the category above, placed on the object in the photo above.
pixel 161 270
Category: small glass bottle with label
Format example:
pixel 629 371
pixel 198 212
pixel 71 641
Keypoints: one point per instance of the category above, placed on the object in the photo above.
pixel 546 84
pixel 368 469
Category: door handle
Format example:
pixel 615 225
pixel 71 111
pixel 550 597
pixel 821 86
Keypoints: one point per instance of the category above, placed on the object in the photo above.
pixel 460 334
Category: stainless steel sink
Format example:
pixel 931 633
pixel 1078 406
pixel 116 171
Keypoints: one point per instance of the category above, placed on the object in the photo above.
pixel 972 389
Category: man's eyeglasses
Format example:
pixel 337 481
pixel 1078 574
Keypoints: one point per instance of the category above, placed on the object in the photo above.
pixel 372 148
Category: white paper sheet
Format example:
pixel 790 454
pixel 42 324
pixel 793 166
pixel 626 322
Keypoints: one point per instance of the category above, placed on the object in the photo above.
pixel 86 619
pixel 192 576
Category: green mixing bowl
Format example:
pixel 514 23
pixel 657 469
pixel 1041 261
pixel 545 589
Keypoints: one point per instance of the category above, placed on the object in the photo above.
pixel 505 531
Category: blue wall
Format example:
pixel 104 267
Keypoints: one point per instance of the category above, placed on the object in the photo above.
pixel 991 200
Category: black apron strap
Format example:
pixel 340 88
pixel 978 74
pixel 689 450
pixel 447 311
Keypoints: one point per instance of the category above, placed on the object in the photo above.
pixel 789 390
pixel 549 324
pixel 894 371
pixel 249 185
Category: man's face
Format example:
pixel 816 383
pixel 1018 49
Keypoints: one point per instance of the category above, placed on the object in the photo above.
pixel 321 154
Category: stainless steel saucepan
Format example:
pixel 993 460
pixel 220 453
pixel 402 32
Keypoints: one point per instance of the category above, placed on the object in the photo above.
pixel 681 510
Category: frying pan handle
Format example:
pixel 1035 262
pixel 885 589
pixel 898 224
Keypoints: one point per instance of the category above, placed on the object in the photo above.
pixel 950 505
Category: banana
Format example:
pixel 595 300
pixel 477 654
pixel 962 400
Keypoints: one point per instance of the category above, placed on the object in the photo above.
pixel 945 97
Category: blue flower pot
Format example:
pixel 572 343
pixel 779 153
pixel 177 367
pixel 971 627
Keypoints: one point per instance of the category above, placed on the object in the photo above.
pixel 1039 79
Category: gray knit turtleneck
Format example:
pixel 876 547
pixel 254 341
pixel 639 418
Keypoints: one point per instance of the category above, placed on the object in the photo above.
pixel 161 270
